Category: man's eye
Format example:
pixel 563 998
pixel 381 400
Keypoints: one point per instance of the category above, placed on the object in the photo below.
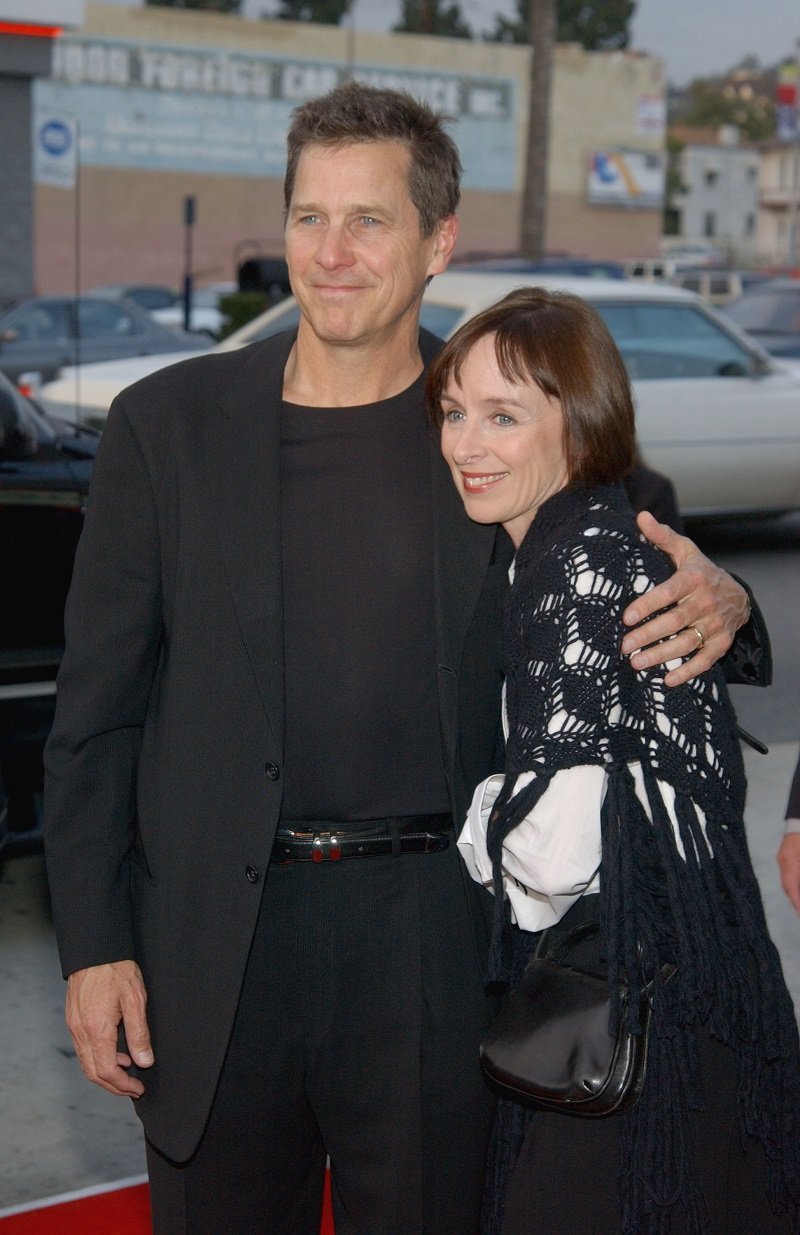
pixel 369 220
pixel 307 220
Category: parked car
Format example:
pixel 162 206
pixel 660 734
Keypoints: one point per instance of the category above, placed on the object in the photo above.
pixel 45 466
pixel 716 286
pixel 166 305
pixel 714 411
pixel 206 317
pixel 44 333
pixel 269 275
pixel 151 296
pixel 579 267
pixel 770 312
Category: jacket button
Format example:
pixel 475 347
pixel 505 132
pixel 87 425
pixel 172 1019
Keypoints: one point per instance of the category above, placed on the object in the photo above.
pixel 252 873
pixel 272 770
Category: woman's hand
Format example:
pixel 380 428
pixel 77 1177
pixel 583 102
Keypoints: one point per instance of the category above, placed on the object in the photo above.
pixel 708 607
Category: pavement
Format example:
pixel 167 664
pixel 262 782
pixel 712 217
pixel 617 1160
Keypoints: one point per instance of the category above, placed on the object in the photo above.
pixel 60 1133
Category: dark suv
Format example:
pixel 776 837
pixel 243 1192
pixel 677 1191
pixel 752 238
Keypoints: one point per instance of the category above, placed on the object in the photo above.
pixel 45 467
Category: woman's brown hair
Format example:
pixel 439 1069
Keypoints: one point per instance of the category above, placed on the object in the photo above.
pixel 561 343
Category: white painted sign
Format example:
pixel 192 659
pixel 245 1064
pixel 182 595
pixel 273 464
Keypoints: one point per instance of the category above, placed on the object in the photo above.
pixel 55 149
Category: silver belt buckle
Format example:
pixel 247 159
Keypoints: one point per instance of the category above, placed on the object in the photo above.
pixel 325 847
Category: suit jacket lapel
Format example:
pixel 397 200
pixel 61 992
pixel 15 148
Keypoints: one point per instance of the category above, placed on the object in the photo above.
pixel 462 553
pixel 243 458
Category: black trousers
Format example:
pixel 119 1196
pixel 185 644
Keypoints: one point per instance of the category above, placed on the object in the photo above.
pixel 356 1037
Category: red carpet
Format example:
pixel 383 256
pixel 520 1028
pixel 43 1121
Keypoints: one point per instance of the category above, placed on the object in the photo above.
pixel 115 1209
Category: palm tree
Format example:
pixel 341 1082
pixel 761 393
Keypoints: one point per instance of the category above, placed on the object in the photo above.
pixel 543 23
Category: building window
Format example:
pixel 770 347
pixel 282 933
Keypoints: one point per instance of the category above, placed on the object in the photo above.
pixel 749 225
pixel 710 223
pixel 712 176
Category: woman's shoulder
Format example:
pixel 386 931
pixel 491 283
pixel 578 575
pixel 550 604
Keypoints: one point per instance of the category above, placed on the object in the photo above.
pixel 596 534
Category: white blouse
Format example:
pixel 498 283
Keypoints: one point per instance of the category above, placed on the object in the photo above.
pixel 553 855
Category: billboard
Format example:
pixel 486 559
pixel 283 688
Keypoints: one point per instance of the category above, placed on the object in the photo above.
pixel 620 177
pixel 787 103
pixel 226 112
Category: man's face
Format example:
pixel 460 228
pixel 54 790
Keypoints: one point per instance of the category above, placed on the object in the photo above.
pixel 357 259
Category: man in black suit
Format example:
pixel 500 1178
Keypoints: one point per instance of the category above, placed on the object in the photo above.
pixel 280 686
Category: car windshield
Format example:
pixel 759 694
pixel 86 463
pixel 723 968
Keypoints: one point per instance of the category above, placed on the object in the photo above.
pixel 767 311
pixel 672 341
pixel 440 319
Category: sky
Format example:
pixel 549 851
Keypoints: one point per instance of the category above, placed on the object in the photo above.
pixel 695 38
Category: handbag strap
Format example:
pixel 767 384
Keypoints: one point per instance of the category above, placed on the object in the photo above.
pixel 576 933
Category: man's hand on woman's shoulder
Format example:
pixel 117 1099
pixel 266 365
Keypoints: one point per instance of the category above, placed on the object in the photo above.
pixel 698 610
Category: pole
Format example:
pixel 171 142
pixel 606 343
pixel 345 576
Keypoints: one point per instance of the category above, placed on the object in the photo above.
pixel 76 193
pixel 189 216
pixel 351 41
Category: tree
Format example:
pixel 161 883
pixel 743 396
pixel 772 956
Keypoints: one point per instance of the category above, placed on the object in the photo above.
pixel 596 24
pixel 208 6
pixel 711 102
pixel 327 12
pixel 542 38
pixel 432 17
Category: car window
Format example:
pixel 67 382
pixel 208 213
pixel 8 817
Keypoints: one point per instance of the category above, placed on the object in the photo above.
pixel 719 285
pixel 39 323
pixel 673 341
pixel 767 310
pixel 104 319
pixel 440 319
pixel 152 297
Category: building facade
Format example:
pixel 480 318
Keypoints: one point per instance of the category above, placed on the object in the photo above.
pixel 779 204
pixel 719 201
pixel 174 103
pixel 26 46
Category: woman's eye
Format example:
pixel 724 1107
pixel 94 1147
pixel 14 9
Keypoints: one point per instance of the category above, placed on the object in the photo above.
pixel 453 414
pixel 502 418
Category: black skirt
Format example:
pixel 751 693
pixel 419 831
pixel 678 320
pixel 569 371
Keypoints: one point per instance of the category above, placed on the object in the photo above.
pixel 552 1174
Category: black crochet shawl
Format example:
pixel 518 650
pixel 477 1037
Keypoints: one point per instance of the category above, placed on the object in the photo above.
pixel 572 698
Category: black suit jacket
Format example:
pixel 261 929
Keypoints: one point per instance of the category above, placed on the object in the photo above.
pixel 163 768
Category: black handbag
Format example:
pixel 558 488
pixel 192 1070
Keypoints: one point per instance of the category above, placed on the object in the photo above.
pixel 550 1047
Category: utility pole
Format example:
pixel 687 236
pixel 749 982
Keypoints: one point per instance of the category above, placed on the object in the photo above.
pixel 542 35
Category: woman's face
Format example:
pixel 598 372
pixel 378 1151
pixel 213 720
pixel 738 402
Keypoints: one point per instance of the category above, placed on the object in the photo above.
pixel 504 442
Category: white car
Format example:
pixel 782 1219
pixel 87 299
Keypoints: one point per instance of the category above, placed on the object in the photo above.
pixel 206 317
pixel 714 411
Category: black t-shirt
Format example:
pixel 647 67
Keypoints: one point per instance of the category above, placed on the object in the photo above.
pixel 362 723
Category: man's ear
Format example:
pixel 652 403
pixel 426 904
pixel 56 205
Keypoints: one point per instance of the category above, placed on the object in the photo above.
pixel 446 236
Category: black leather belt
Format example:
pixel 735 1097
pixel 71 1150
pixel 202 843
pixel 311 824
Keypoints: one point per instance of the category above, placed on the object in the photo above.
pixel 328 842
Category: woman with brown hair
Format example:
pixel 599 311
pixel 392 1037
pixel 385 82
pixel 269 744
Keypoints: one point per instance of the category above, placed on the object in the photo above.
pixel 623 799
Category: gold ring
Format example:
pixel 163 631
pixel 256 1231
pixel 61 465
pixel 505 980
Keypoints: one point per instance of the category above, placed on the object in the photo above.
pixel 701 639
